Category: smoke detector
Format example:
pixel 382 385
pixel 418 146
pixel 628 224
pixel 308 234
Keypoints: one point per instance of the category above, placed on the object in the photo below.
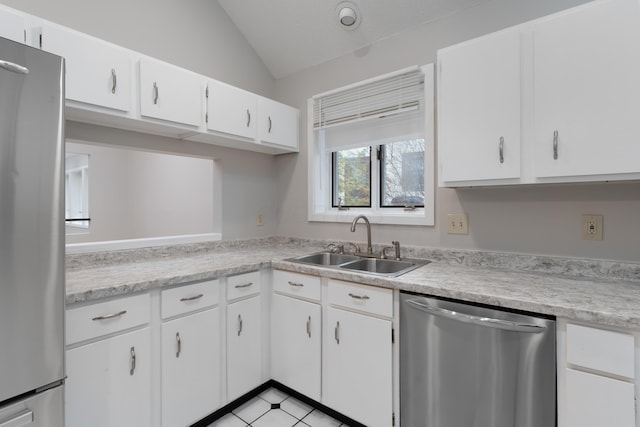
pixel 348 15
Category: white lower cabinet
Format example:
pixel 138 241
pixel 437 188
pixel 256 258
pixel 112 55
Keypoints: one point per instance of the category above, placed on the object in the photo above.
pixel 358 360
pixel 190 353
pixel 295 344
pixel 596 377
pixel 244 346
pixel 109 382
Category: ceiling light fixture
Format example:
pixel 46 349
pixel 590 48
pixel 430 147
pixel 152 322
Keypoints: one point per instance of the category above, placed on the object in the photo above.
pixel 348 15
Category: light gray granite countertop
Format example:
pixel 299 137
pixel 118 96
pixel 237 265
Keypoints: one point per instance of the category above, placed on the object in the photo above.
pixel 604 292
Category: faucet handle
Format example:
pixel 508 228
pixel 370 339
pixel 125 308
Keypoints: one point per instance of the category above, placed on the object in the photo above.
pixel 356 248
pixel 396 245
pixel 383 253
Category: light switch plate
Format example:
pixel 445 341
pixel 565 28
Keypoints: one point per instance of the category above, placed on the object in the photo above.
pixel 592 227
pixel 457 224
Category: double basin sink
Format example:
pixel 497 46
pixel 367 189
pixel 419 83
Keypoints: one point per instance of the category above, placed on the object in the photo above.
pixel 377 266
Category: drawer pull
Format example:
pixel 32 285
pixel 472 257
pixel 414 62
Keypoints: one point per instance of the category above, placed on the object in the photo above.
pixel 245 285
pixel 248 118
pixel 133 361
pixel 21 419
pixel 270 124
pixel 193 298
pixel 360 297
pixel 336 333
pixel 179 344
pixel 239 324
pixel 555 145
pixel 156 93
pixel 297 285
pixel 309 326
pixel 110 316
pixel 501 149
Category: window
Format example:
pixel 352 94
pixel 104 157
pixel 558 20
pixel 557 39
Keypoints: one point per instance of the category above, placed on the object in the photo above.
pixel 371 150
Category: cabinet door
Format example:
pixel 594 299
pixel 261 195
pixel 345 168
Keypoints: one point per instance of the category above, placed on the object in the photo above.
pixel 596 401
pixel 170 93
pixel 190 368
pixel 295 344
pixel 231 110
pixel 587 63
pixel 278 124
pixel 11 26
pixel 244 347
pixel 479 109
pixel 358 367
pixel 109 382
pixel 98 72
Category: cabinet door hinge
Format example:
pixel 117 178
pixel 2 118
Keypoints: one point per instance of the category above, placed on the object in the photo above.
pixel 393 419
pixel 206 118
pixel 206 92
pixel 393 336
pixel 378 153
pixel 40 40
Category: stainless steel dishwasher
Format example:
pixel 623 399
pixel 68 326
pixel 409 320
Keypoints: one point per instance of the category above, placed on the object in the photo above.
pixel 465 365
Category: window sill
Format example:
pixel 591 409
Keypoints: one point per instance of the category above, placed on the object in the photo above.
pixel 400 217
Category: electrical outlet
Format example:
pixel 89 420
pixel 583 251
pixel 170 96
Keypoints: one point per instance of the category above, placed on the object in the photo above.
pixel 457 224
pixel 592 227
pixel 260 219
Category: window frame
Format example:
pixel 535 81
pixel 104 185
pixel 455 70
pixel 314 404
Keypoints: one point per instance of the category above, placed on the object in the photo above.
pixel 320 206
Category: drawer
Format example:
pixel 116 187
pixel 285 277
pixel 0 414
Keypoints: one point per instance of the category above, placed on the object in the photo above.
pixel 91 321
pixel 297 285
pixel 606 351
pixel 184 299
pixel 365 298
pixel 243 285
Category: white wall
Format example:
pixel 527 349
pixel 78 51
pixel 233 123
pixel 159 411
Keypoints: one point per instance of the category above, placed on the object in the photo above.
pixel 537 220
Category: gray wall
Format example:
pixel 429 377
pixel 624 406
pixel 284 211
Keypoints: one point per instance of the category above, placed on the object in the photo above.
pixel 537 220
pixel 194 34
pixel 197 35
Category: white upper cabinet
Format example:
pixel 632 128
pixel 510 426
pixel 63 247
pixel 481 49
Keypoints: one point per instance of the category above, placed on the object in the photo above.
pixel 170 93
pixel 12 26
pixel 278 124
pixel 479 109
pixel 231 110
pixel 587 90
pixel 97 72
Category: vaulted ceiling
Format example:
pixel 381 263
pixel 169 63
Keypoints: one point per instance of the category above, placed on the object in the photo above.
pixel 292 35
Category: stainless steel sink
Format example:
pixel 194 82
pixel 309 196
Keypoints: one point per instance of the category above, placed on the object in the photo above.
pixel 383 267
pixel 377 266
pixel 325 258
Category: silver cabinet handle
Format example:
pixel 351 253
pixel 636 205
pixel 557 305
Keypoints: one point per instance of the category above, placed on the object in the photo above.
pixel 156 93
pixel 336 332
pixel 179 341
pixel 297 285
pixel 193 298
pixel 133 361
pixel 245 285
pixel 501 149
pixel 248 118
pixel 110 316
pixel 239 324
pixel 270 123
pixel 15 68
pixel 506 325
pixel 114 81
pixel 309 326
pixel 362 297
pixel 555 145
pixel 21 419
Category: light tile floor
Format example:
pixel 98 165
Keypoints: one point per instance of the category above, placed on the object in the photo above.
pixel 263 411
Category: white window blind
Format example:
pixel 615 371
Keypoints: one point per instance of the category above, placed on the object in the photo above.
pixel 393 94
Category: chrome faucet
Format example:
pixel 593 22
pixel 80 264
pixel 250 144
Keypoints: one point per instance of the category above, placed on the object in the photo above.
pixel 353 229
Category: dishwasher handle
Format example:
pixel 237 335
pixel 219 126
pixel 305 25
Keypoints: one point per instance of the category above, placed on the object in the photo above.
pixel 506 325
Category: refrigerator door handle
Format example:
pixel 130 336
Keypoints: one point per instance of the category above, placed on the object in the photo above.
pixel 477 320
pixel 22 419
pixel 10 66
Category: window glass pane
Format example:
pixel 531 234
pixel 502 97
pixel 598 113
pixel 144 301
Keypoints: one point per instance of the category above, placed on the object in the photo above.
pixel 352 177
pixel 402 173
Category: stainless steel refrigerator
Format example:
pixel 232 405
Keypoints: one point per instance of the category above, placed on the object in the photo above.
pixel 31 237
